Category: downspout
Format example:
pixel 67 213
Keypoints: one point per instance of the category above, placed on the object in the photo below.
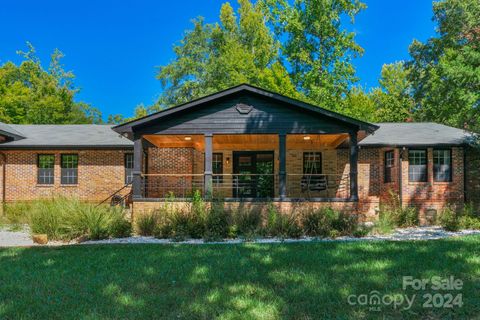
pixel 4 178
pixel 400 182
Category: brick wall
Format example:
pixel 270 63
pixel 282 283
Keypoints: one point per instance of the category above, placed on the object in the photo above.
pixel 472 176
pixel 176 165
pixel 100 173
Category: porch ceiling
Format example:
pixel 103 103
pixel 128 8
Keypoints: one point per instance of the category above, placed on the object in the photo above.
pixel 249 141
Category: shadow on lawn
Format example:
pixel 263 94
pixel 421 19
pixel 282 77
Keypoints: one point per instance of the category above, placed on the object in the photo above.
pixel 293 281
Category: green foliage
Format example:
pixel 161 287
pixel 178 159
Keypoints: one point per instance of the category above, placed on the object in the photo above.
pixel 30 94
pixel 318 46
pixel 249 222
pixel 449 219
pixel 393 214
pixel 385 223
pixel 327 222
pixel 17 212
pixel 392 99
pixel 216 223
pixel 211 57
pixel 445 69
pixel 146 223
pixel 65 218
pixel 282 225
pixel 197 216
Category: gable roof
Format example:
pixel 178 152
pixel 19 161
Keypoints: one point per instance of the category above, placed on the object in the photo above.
pixel 128 126
pixel 416 134
pixel 8 131
pixel 66 136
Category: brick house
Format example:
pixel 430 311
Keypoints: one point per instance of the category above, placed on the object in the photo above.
pixel 243 145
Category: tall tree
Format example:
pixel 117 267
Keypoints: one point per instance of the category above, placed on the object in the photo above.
pixel 317 46
pixel 393 99
pixel 445 70
pixel 211 57
pixel 30 94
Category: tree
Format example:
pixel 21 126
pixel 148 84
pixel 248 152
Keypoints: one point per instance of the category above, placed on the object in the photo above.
pixel 211 57
pixel 317 47
pixel 392 99
pixel 140 111
pixel 359 104
pixel 445 70
pixel 29 94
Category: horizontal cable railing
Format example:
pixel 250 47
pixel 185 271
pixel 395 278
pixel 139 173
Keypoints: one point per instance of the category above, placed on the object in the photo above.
pixel 245 186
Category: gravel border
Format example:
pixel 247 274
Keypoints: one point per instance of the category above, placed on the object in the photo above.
pixel 21 238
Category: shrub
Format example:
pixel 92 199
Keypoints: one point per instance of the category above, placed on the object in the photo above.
pixel 282 225
pixel 17 212
pixel 120 228
pixel 469 222
pixel 180 225
pixel 401 217
pixel 64 218
pixel 146 223
pixel 344 223
pixel 46 218
pixel 406 217
pixel 248 222
pixel 385 223
pixel 318 223
pixel 449 220
pixel 198 212
pixel 216 223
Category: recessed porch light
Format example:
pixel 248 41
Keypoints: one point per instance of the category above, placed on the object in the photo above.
pixel 307 137
pixel 188 138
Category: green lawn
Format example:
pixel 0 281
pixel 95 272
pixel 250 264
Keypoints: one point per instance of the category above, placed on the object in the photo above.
pixel 253 281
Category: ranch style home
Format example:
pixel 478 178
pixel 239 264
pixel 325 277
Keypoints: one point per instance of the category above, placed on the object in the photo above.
pixel 244 146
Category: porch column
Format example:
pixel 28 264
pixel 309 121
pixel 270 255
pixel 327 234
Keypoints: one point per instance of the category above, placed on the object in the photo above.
pixel 282 154
pixel 353 166
pixel 208 164
pixel 137 168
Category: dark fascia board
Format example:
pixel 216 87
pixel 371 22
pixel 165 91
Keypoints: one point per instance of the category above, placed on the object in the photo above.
pixel 128 126
pixel 64 147
pixel 11 135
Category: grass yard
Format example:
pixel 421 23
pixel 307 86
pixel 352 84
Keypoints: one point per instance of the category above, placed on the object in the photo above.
pixel 253 281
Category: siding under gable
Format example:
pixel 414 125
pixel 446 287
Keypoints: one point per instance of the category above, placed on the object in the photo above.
pixel 265 116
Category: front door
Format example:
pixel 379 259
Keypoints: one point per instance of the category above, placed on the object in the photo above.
pixel 253 174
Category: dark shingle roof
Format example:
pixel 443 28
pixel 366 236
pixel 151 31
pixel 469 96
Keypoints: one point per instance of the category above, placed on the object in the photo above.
pixel 416 134
pixel 102 136
pixel 7 130
pixel 68 135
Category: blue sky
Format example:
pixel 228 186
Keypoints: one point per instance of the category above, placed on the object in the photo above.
pixel 114 47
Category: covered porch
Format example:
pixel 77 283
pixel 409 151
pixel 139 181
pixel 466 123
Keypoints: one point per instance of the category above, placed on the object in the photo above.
pixel 246 167
pixel 246 144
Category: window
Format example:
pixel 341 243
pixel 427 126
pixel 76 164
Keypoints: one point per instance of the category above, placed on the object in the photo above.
pixel 45 172
pixel 442 165
pixel 417 165
pixel 312 163
pixel 69 164
pixel 389 163
pixel 128 168
pixel 217 165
